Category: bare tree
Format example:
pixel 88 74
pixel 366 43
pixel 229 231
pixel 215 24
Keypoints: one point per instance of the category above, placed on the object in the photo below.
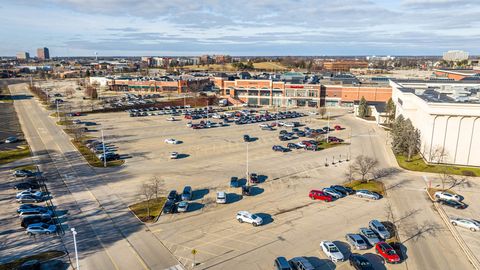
pixel 322 111
pixel 69 92
pixel 349 174
pixel 158 186
pixel 364 165
pixel 438 154
pixel 147 191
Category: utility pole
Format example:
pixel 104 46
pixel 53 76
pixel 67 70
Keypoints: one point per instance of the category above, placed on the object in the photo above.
pixel 104 156
pixel 248 176
pixel 328 125
pixel 58 113
pixel 75 244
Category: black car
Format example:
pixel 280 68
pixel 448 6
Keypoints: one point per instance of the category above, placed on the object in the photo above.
pixel 172 196
pixel 282 138
pixel 246 190
pixel 343 190
pixel 293 146
pixel 454 204
pixel 359 262
pixel 253 178
pixel 246 138
pixel 170 207
pixel 300 134
pixel 279 148
pixel 282 132
pixel 27 185
pixel 35 219
pixel 23 173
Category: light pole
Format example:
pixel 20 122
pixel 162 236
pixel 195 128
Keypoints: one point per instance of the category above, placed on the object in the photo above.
pixel 248 176
pixel 328 125
pixel 58 113
pixel 75 244
pixel 104 156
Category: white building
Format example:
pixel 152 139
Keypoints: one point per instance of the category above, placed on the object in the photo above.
pixel 455 55
pixel 23 56
pixel 447 115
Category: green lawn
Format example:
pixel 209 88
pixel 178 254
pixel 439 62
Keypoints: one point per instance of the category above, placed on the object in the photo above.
pixel 8 156
pixel 44 256
pixel 140 209
pixel 92 159
pixel 418 164
pixel 65 123
pixel 372 185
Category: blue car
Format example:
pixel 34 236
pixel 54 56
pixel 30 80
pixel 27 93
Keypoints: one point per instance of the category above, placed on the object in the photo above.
pixel 234 182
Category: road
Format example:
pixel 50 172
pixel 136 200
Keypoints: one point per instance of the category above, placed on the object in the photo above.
pixel 109 235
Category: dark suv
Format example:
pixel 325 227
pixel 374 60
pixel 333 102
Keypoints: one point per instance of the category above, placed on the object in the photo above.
pixel 172 196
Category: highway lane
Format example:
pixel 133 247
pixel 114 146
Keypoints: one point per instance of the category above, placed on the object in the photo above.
pixel 110 237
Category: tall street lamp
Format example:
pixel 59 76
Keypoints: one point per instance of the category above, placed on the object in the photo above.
pixel 75 244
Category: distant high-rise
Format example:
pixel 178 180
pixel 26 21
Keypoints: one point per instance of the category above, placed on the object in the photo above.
pixel 23 56
pixel 455 55
pixel 43 54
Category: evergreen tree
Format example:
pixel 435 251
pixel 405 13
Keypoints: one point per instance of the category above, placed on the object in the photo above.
pixel 363 108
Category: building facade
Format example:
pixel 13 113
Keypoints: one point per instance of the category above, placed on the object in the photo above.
pixel 344 65
pixel 158 84
pixel 455 55
pixel 43 54
pixel 447 115
pixel 23 56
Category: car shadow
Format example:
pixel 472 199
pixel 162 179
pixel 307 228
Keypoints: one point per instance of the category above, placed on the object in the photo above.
pixel 345 248
pixel 199 193
pixel 400 249
pixel 124 156
pixel 254 191
pixel 318 263
pixel 242 182
pixel 181 156
pixel 266 218
pixel 195 206
pixel 262 178
pixel 233 197
pixel 391 228
pixel 377 262
pixel 60 213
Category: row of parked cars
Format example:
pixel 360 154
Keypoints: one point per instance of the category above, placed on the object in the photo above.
pixel 456 201
pixel 337 191
pixel 168 110
pixel 103 151
pixel 36 219
pixel 132 99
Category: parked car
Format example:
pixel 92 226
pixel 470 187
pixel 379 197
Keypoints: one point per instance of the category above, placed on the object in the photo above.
pixel 467 223
pixel 332 192
pixel 41 228
pixel 187 193
pixel 28 220
pixel 356 241
pixel 221 197
pixel 173 155
pixel 170 207
pixel 367 194
pixel 247 190
pixel 343 190
pixel 331 251
pixel 30 199
pixel 300 263
pixel 234 182
pixel 337 127
pixel 171 119
pixel 444 195
pixel 171 141
pixel 34 212
pixel 319 195
pixel 454 204
pixel 30 184
pixel 26 207
pixel 29 192
pixel 279 148
pixel 172 195
pixel 245 216
pixel 359 262
pixel 182 206
pixel 253 178
pixel 246 138
pixel 379 229
pixel 11 139
pixel 281 263
pixel 369 236
pixel 387 252
pixel 23 173
pixel 108 156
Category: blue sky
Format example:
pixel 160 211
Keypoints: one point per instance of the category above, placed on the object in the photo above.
pixel 246 27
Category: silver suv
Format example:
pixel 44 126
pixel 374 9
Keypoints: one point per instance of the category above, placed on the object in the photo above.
pixel 356 241
pixel 379 229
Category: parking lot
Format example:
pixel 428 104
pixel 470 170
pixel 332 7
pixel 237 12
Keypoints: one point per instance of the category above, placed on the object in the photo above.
pixel 294 224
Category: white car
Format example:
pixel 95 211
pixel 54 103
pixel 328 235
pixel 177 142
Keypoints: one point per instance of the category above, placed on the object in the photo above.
pixel 367 194
pixel 216 116
pixel 467 223
pixel 171 141
pixel 41 228
pixel 11 140
pixel 245 216
pixel 171 119
pixel 444 195
pixel 332 251
pixel 289 124
pixel 301 144
pixel 221 197
pixel 173 155
pixel 313 113
pixel 29 192
pixel 264 125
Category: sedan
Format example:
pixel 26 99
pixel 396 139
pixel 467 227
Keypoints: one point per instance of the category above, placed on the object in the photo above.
pixel 387 252
pixel 367 194
pixel 182 206
pixel 293 146
pixel 30 199
pixel 173 155
pixel 444 195
pixel 343 190
pixel 369 236
pixel 359 262
pixel 332 251
pixel 11 139
pixel 356 241
pixel 454 204
pixel 171 141
pixel 29 192
pixel 23 173
pixel 169 207
pixel 171 119
pixel 332 192
pixel 27 185
pixel 319 195
pixel 279 148
pixel 41 228
pixel 467 223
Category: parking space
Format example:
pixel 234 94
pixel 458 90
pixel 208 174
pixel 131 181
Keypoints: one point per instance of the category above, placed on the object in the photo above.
pixel 294 224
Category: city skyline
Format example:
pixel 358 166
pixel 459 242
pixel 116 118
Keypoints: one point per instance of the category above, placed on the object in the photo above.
pixel 270 28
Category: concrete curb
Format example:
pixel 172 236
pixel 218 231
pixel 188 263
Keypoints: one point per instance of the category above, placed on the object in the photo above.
pixel 470 255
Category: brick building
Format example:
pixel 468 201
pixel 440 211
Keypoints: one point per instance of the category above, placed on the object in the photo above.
pixel 344 65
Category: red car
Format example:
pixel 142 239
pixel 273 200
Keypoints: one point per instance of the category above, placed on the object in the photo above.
pixel 337 127
pixel 387 252
pixel 319 195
